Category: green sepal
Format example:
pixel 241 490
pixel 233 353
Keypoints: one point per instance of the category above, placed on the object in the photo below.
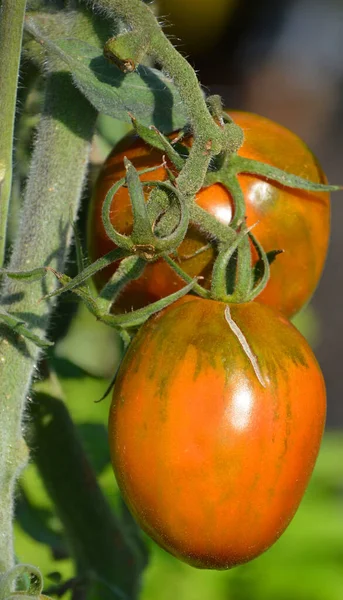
pixel 170 149
pixel 177 153
pixel 169 243
pixel 69 284
pixel 219 287
pixel 239 164
pixel 244 271
pixel 232 184
pixel 130 268
pixel 139 316
pixel 19 327
pixel 257 289
pixel 198 289
pixel 123 241
pixel 214 229
pixel 142 228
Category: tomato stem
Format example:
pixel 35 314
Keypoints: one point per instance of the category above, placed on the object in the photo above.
pixel 209 138
pixel 11 28
pixel 54 187
pixel 101 546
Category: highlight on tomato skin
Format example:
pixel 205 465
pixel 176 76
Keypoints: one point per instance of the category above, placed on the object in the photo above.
pixel 292 220
pixel 215 425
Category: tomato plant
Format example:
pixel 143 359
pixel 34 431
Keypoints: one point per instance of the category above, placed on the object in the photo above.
pixel 293 220
pixel 215 425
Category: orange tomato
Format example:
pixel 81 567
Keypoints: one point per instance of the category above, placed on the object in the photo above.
pixel 214 428
pixel 292 220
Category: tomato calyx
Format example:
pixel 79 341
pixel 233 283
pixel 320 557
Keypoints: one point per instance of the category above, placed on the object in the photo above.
pixel 143 240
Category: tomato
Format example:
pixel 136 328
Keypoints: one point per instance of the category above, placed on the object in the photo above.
pixel 292 220
pixel 213 433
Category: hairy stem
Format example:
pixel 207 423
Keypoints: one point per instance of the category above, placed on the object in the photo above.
pixel 11 29
pixel 102 550
pixel 51 201
pixel 208 136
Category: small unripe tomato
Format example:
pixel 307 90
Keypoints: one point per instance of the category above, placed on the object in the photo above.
pixel 214 429
pixel 293 220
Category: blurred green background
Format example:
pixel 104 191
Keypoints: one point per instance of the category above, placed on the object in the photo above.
pixel 282 60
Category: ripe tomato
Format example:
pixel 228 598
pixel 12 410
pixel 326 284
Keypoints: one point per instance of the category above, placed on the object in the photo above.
pixel 292 220
pixel 212 463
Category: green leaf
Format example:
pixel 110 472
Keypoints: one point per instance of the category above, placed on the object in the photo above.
pixel 146 93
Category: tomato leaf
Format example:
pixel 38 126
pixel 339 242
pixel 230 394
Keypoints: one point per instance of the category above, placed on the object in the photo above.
pixel 146 93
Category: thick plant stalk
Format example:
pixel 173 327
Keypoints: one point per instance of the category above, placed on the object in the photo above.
pixel 11 28
pixel 98 543
pixel 52 198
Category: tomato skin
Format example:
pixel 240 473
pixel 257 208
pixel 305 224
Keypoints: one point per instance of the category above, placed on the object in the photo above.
pixel 295 221
pixel 212 464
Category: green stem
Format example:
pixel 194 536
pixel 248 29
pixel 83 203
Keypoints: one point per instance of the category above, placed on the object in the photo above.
pixel 11 30
pixel 209 138
pixel 103 552
pixel 52 197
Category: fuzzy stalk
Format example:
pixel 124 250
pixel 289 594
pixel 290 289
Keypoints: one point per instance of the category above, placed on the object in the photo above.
pixel 105 555
pixel 209 138
pixel 11 30
pixel 52 198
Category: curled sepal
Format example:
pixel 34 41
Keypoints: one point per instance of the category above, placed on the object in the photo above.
pixel 219 286
pixel 244 272
pixel 264 267
pixel 143 242
pixel 200 291
pixel 130 319
pixel 240 164
pixel 25 572
pixel 170 150
pixel 168 243
pixel 19 327
pixel 139 316
pixel 130 268
pixel 152 136
pixel 210 225
pixel 232 184
pixel 69 284
pixel 139 211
